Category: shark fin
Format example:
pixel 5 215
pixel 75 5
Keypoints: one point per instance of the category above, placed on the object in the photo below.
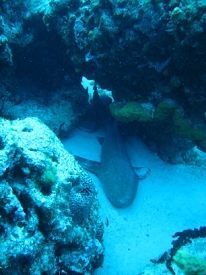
pixel 142 172
pixel 90 165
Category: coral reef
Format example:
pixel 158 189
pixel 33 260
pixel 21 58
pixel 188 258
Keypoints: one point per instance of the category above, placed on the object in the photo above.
pixel 150 53
pixel 60 117
pixel 48 205
pixel 61 112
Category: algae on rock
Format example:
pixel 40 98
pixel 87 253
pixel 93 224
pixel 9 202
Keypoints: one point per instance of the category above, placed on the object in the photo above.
pixel 189 263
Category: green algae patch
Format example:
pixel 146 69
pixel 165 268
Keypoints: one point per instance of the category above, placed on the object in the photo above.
pixel 132 111
pixel 188 130
pixel 143 112
pixel 164 110
pixel 49 174
pixel 189 263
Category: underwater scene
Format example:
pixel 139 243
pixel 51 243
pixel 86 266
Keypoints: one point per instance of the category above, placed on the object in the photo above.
pixel 102 137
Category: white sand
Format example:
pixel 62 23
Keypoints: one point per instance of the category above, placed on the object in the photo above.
pixel 171 199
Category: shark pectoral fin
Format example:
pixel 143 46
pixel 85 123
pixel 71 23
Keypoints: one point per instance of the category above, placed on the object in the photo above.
pixel 90 165
pixel 142 172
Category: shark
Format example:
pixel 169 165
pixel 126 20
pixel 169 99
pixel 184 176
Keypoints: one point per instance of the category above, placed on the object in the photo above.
pixel 118 178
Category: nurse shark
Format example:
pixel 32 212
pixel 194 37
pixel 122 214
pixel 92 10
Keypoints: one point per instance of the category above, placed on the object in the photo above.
pixel 116 174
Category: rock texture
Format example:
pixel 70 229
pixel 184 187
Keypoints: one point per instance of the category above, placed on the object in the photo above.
pixel 48 205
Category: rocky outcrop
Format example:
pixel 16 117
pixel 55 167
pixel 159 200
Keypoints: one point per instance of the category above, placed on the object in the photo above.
pixel 48 205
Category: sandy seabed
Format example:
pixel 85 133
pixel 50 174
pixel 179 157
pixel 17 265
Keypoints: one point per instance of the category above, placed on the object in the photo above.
pixel 171 199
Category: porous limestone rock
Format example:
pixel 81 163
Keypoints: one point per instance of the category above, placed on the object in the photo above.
pixel 39 230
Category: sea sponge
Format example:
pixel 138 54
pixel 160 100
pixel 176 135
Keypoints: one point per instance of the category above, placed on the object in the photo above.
pixel 189 263
pixel 81 199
